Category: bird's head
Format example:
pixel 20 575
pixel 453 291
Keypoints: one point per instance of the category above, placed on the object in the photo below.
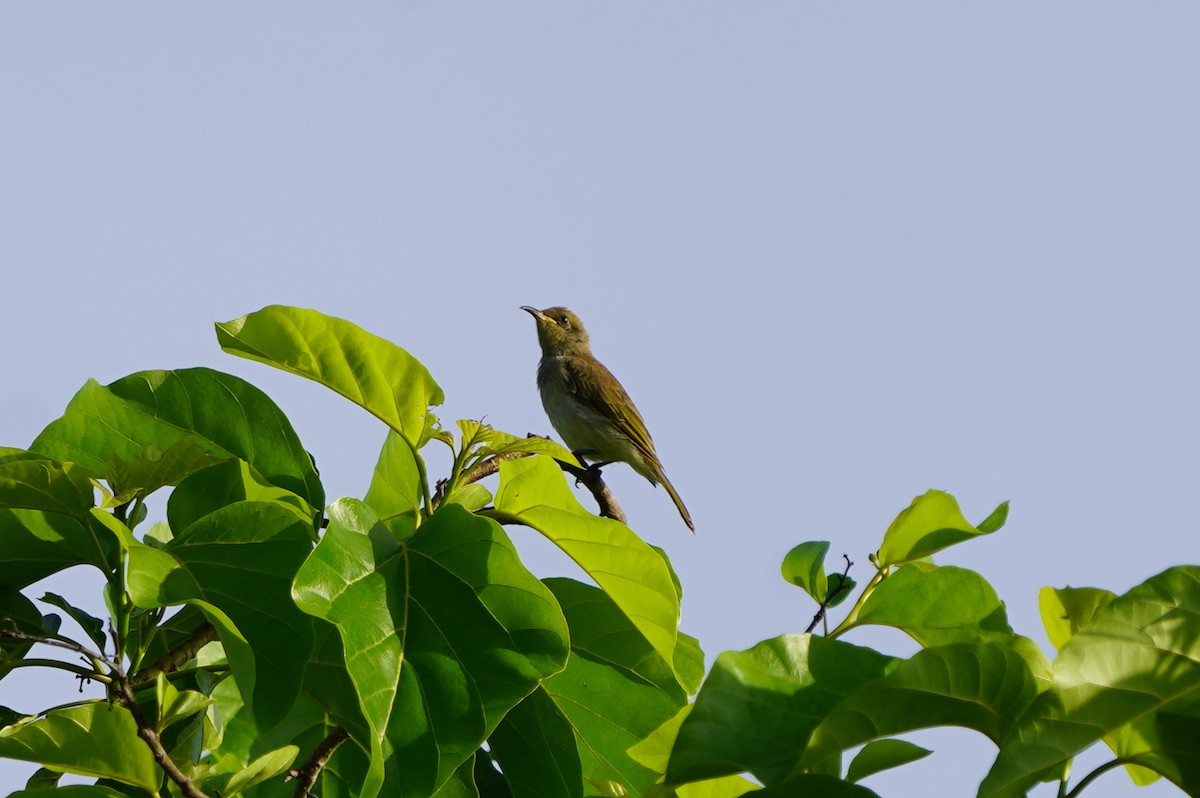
pixel 560 332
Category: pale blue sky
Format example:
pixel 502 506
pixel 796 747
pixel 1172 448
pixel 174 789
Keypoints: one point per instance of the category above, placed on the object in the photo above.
pixel 838 254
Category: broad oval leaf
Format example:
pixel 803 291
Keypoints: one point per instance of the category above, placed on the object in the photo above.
pixel 396 485
pixel 237 564
pixel 368 370
pixel 931 523
pixel 447 631
pixel 980 686
pixel 758 707
pixel 612 666
pixel 1140 655
pixel 35 544
pixel 155 427
pixel 533 492
pixel 936 605
pixel 31 481
pixel 92 739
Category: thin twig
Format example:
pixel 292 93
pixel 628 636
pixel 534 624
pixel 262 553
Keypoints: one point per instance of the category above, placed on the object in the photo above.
pixel 842 585
pixel 121 690
pixel 176 657
pixel 306 775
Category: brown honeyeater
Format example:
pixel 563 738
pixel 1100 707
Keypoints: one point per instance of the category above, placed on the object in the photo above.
pixel 588 407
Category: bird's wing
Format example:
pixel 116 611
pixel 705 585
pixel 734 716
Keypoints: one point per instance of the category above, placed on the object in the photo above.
pixel 602 393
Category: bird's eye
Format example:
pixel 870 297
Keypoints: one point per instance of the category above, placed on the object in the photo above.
pixel 565 321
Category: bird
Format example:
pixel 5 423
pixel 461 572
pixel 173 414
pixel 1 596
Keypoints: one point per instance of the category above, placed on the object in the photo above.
pixel 588 407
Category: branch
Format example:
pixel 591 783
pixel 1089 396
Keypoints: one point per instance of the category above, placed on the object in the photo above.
pixel 176 657
pixel 830 597
pixel 121 690
pixel 306 775
pixel 588 477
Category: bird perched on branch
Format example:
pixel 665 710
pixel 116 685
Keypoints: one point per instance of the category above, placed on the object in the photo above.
pixel 588 407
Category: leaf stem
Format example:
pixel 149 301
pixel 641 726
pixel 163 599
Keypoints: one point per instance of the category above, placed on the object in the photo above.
pixel 851 618
pixel 1095 774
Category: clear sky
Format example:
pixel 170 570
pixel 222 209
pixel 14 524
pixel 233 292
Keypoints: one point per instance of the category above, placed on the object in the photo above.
pixel 839 253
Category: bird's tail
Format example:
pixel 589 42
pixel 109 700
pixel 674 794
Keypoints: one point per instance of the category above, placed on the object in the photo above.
pixel 683 511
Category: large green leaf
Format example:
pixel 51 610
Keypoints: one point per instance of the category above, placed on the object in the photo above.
pixel 758 707
pixel 1140 655
pixel 395 491
pixel 931 523
pixel 533 492
pixel 368 370
pixel 237 564
pixel 155 427
pixel 937 605
pixel 558 734
pixel 535 745
pixel 70 791
pixel 447 632
pixel 30 481
pixel 92 739
pixel 35 544
pixel 228 483
pixel 982 686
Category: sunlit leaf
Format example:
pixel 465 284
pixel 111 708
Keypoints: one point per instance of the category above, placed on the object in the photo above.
pixel 936 605
pixel 814 784
pixel 804 567
pixel 1067 610
pixel 368 370
pixel 35 544
pixel 533 492
pixel 757 708
pixel 446 631
pixel 132 431
pixel 1139 655
pixel 395 491
pixel 931 523
pixel 237 565
pixel 95 739
pixel 30 481
pixel 980 686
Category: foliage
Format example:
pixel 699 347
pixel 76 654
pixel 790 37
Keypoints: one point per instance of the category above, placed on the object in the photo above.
pixel 263 642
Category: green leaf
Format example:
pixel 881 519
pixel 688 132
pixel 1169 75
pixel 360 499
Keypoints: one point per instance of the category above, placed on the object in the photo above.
pixel 931 523
pixel 220 486
pixel 612 666
pixel 1138 656
pixel 936 605
pixel 373 373
pixel 1067 610
pixel 535 746
pixel 533 492
pixel 396 486
pixel 265 767
pixel 92 739
pixel 814 784
pixel 237 565
pixel 1162 744
pixel 70 791
pixel 16 611
pixel 92 626
pixel 30 481
pixel 476 632
pixel 757 708
pixel 980 686
pixel 724 787
pixel 43 779
pixel 804 567
pixel 35 544
pixel 881 755
pixel 495 442
pixel 155 425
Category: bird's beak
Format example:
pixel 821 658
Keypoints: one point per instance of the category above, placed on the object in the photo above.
pixel 537 314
